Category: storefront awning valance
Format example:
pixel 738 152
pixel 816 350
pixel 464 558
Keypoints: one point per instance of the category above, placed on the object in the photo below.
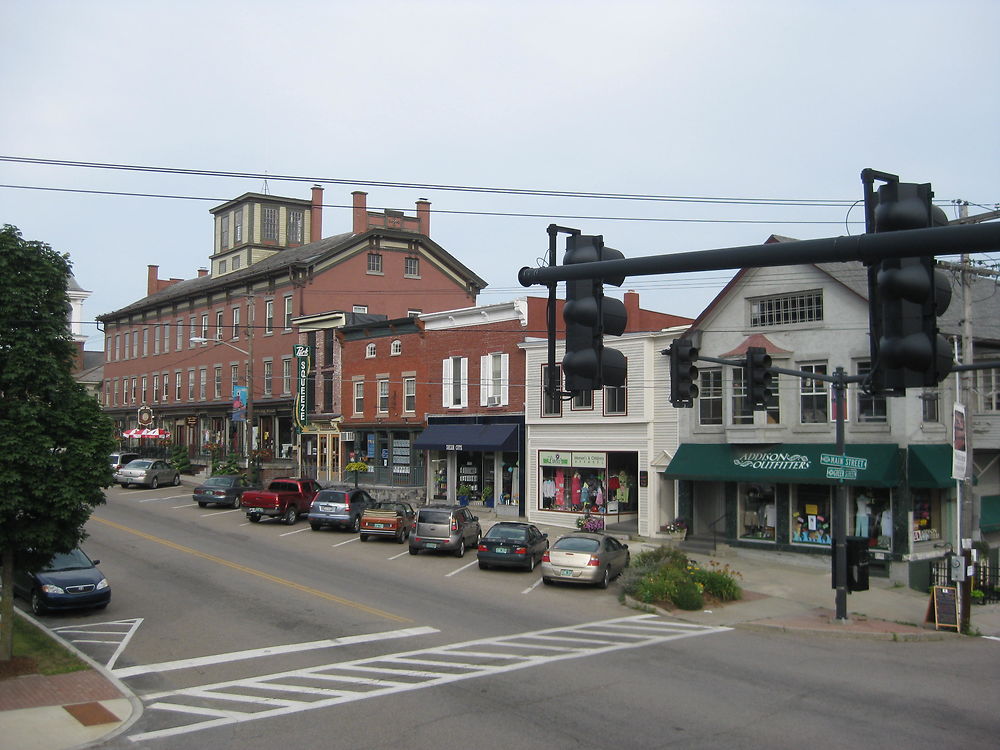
pixel 929 466
pixel 868 464
pixel 989 513
pixel 468 437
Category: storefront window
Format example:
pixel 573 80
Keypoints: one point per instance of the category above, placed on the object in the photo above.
pixel 872 512
pixel 758 513
pixel 811 522
pixel 577 481
pixel 926 516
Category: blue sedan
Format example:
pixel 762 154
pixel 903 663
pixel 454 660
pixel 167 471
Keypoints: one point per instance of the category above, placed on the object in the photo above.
pixel 510 544
pixel 71 580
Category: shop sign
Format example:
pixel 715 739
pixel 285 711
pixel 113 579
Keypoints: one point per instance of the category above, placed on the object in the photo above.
pixel 590 460
pixel 303 394
pixel 554 458
pixel 773 461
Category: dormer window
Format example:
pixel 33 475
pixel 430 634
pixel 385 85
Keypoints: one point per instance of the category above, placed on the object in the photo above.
pixel 296 227
pixel 269 224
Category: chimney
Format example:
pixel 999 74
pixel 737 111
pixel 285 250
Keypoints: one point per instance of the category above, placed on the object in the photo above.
pixel 632 309
pixel 316 214
pixel 360 211
pixel 202 272
pixel 424 216
pixel 152 280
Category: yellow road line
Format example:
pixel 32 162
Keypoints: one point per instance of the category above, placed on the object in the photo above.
pixel 252 571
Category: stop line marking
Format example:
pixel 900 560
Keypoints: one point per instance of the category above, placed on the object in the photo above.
pixel 237 701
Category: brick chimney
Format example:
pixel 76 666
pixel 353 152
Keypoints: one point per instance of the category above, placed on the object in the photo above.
pixel 424 216
pixel 632 309
pixel 316 214
pixel 202 272
pixel 360 212
pixel 152 280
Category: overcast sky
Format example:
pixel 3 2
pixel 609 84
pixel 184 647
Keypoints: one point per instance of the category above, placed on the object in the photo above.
pixel 783 101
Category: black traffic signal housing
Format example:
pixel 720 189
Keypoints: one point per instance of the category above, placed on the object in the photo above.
pixel 906 296
pixel 589 316
pixel 683 373
pixel 757 377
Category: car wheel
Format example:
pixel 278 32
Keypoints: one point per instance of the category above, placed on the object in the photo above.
pixel 237 502
pixel 483 566
pixel 363 537
pixel 460 552
pixel 316 526
pixel 413 550
pixel 401 536
pixel 177 481
pixel 547 581
pixel 154 483
pixel 606 578
pixel 202 504
pixel 531 563
pixel 37 605
pixel 356 526
pixel 254 517
pixel 290 517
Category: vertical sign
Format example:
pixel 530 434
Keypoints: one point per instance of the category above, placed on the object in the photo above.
pixel 960 447
pixel 303 393
pixel 240 403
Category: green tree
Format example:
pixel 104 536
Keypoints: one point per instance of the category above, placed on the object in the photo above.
pixel 54 440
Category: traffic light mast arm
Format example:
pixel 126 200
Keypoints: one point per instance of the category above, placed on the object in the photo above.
pixel 800 373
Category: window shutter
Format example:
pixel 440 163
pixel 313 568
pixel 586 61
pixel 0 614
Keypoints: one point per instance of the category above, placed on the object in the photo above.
pixel 446 383
pixel 484 379
pixel 504 379
pixel 465 382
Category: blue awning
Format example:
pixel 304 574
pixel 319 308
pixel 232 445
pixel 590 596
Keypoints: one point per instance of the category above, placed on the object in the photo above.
pixel 468 437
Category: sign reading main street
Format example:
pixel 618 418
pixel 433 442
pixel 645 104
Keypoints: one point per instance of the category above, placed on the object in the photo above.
pixel 852 462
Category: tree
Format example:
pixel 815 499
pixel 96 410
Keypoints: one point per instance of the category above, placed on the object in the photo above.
pixel 54 440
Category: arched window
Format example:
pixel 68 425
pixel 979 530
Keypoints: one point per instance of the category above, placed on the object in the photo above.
pixel 370 351
pixel 396 349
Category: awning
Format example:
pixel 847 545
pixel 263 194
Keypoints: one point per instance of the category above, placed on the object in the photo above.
pixel 989 513
pixel 133 433
pixel 929 466
pixel 876 464
pixel 468 437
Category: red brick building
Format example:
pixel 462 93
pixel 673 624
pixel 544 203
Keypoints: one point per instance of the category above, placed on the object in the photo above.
pixel 186 345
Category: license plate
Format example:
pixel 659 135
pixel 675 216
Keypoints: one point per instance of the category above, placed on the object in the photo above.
pixel 378 525
pixel 502 550
pixel 565 572
pixel 255 510
pixel 431 545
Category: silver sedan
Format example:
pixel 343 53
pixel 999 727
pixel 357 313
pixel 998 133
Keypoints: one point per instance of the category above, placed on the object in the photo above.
pixel 151 472
pixel 585 557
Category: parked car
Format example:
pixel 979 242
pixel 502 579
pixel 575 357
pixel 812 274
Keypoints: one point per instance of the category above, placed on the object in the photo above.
pixel 585 557
pixel 446 528
pixel 340 508
pixel 512 544
pixel 119 460
pixel 151 472
pixel 285 498
pixel 71 580
pixel 224 489
pixel 387 518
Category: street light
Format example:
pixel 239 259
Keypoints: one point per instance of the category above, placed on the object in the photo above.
pixel 249 443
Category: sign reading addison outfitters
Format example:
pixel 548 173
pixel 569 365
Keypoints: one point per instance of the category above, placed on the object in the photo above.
pixel 303 393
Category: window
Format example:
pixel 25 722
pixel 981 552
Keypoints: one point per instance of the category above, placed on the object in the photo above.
pixel 328 347
pixel 156 388
pixel 786 309
pixel 811 514
pixel 742 409
pixel 288 313
pixel 328 392
pixel 222 267
pixel 710 397
pixel 383 396
pixel 156 339
pixel 551 404
pixel 219 317
pixel 190 385
pixel 296 226
pixel 115 391
pixel 180 334
pixel 583 400
pixel 359 309
pixel 218 382
pixel 269 224
pixel 202 383
pixel 493 380
pixel 142 390
pixel 237 227
pixel 359 397
pixel 370 351
pixel 930 405
pixel 194 331
pixel 374 262
pixel 234 377
pixel 204 325
pixel 224 231
pixel 178 385
pixel 615 400
pixel 986 387
pixel 236 262
pixel 236 322
pixel 166 387
pixel 409 394
pixel 413 313
pixel 286 375
pixel 268 377
pixel 396 348
pixel 411 267
pixel 269 316
pixel 455 383
pixel 135 344
pixel 871 409
pixel 118 346
pixel 166 338
pixel 814 407
pixel 145 342
pixel 133 397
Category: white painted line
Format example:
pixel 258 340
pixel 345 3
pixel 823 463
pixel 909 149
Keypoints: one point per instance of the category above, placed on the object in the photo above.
pixel 297 531
pixel 349 640
pixel 341 544
pixel 175 507
pixel 222 512
pixel 401 554
pixel 459 570
pixel 532 587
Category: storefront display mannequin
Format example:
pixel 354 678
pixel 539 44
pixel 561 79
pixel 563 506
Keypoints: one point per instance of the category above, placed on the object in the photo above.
pixel 861 519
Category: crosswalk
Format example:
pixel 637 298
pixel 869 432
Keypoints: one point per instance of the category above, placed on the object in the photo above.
pixel 102 641
pixel 229 702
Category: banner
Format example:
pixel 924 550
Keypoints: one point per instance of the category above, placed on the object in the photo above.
pixel 303 393
pixel 240 395
pixel 960 466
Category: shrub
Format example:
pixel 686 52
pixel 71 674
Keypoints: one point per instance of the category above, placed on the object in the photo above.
pixel 227 467
pixel 687 595
pixel 665 574
pixel 179 459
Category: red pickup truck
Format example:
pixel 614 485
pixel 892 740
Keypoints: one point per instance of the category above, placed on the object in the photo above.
pixel 284 498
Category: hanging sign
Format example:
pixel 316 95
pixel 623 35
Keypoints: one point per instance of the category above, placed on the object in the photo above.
pixel 303 393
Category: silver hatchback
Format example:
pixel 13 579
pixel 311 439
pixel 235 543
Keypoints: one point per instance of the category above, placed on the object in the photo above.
pixel 151 472
pixel 445 528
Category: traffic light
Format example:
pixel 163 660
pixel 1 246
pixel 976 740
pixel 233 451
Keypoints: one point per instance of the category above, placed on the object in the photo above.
pixel 758 378
pixel 906 296
pixel 589 315
pixel 683 373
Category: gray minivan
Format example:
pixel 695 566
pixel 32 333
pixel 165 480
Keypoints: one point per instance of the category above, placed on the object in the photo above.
pixel 449 528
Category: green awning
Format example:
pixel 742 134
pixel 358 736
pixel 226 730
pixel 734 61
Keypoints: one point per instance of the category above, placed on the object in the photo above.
pixel 929 466
pixel 866 464
pixel 989 513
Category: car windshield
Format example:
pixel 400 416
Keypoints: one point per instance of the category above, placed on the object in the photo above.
pixel 577 544
pixel 74 560
pixel 386 506
pixel 332 496
pixel 507 534
pixel 139 464
pixel 221 481
pixel 435 516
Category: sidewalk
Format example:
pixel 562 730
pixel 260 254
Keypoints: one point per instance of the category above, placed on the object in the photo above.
pixel 782 593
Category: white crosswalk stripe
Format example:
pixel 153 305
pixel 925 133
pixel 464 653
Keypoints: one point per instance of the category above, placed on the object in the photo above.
pixel 294 691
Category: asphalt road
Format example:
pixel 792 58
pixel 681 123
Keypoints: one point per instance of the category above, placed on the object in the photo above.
pixel 248 636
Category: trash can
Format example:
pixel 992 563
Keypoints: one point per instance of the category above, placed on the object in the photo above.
pixel 857 564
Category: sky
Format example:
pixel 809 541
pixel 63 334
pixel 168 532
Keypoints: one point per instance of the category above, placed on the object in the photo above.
pixel 781 104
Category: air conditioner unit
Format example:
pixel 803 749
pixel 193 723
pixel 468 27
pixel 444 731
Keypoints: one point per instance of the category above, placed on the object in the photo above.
pixel 493 401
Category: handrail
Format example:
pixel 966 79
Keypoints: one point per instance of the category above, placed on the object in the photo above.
pixel 715 532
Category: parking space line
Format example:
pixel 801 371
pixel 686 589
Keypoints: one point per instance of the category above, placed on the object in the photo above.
pixel 297 531
pixel 532 587
pixel 459 570
pixel 341 544
pixel 396 557
pixel 221 512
